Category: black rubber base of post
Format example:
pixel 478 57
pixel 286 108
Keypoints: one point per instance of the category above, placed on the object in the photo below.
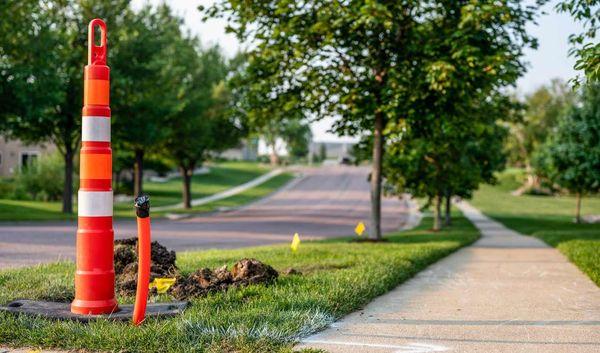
pixel 62 311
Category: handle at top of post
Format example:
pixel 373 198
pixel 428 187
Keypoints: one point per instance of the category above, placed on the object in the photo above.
pixel 96 54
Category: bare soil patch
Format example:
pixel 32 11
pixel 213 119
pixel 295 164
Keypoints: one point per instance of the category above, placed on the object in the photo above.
pixel 199 283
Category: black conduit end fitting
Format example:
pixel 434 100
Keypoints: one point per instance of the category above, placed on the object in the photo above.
pixel 142 206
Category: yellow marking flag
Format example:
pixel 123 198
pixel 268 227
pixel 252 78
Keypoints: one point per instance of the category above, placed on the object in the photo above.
pixel 295 242
pixel 162 284
pixel 360 229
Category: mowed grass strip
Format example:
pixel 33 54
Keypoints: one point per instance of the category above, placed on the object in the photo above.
pixel 338 278
pixel 20 210
pixel 243 198
pixel 549 218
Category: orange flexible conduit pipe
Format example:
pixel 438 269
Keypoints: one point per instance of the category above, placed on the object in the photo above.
pixel 142 210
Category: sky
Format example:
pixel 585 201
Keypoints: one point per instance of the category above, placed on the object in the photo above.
pixel 549 61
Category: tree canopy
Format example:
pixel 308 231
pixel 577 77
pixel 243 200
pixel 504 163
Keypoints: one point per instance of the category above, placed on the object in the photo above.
pixel 541 112
pixel 375 64
pixel 571 157
pixel 144 84
pixel 584 46
pixel 297 136
pixel 448 156
pixel 43 47
pixel 202 124
pixel 452 142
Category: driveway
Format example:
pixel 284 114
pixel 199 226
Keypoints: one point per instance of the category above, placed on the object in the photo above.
pixel 324 202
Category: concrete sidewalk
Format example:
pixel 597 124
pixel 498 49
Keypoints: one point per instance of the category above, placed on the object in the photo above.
pixel 506 293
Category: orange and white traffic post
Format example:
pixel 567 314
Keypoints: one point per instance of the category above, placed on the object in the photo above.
pixel 95 276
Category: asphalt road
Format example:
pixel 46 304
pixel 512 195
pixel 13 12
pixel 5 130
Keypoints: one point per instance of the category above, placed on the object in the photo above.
pixel 324 202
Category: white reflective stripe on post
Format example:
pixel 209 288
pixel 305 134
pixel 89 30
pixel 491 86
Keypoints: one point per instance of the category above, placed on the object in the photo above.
pixel 95 128
pixel 95 203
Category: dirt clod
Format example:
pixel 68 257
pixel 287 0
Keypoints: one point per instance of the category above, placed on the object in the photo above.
pixel 204 280
pixel 252 271
pixel 223 275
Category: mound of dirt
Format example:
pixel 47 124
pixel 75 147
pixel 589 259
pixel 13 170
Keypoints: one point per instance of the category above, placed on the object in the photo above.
pixel 204 281
pixel 199 283
pixel 125 258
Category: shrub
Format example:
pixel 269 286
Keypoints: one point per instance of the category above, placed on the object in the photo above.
pixel 263 158
pixel 41 181
pixel 7 188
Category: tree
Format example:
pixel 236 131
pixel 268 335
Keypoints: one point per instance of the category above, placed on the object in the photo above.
pixel 43 47
pixel 297 136
pixel 583 45
pixel 331 58
pixel 480 150
pixel 571 157
pixel 450 143
pixel 360 150
pixel 272 117
pixel 294 131
pixel 447 157
pixel 22 82
pixel 203 123
pixel 264 116
pixel 270 133
pixel 144 84
pixel 543 109
pixel 364 62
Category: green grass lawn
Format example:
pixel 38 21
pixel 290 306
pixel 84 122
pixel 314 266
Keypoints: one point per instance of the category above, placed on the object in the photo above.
pixel 546 217
pixel 17 210
pixel 221 177
pixel 338 277
pixel 245 197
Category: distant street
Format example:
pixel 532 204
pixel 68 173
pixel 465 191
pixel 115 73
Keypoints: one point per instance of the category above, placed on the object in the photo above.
pixel 325 202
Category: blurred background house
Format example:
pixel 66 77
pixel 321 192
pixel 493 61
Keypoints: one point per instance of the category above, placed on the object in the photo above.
pixel 246 151
pixel 332 150
pixel 14 154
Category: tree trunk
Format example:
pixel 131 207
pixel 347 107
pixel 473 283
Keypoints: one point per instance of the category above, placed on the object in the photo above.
pixel 67 198
pixel 186 175
pixel 578 209
pixel 437 213
pixel 375 232
pixel 448 215
pixel 138 172
pixel 273 157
